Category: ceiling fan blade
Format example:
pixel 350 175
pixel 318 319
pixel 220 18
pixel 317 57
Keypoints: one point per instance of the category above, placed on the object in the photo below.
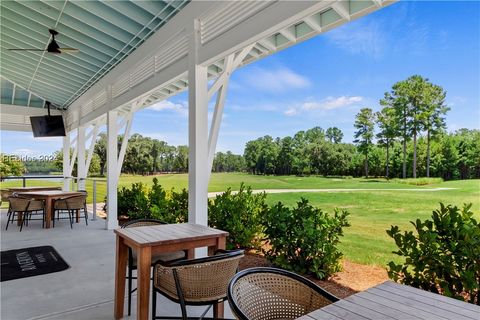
pixel 32 49
pixel 69 50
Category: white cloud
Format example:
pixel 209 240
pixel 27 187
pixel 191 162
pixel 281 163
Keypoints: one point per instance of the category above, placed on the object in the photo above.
pixel 291 112
pixel 362 38
pixel 181 108
pixel 262 107
pixel 331 103
pixel 457 100
pixel 172 138
pixel 275 80
pixel 379 38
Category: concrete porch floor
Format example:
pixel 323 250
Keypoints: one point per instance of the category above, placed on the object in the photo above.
pixel 85 290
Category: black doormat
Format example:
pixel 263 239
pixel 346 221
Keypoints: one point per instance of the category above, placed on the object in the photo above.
pixel 29 262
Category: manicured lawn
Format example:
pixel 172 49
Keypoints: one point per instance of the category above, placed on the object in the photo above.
pixel 371 212
pixel 221 181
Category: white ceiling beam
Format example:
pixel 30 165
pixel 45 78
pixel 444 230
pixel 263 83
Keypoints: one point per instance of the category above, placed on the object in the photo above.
pixel 144 89
pixel 268 43
pixel 378 3
pixel 17 118
pixel 23 88
pixel 6 109
pixel 270 20
pixel 342 8
pixel 289 33
pixel 315 25
pixel 13 92
pixel 29 98
pixel 15 127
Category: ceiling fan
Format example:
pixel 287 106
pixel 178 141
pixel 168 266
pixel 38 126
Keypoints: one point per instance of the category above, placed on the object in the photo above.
pixel 52 47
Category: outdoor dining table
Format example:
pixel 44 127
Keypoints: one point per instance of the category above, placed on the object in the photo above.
pixel 28 189
pixel 150 240
pixel 49 196
pixel 391 300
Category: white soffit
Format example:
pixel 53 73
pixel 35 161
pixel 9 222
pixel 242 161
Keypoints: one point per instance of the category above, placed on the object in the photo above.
pixel 158 68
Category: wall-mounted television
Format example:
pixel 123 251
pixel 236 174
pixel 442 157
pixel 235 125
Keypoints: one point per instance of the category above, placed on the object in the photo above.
pixel 47 126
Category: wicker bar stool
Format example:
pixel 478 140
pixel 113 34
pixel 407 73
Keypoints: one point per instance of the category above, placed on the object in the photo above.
pixel 202 281
pixel 71 205
pixel 5 194
pixel 59 207
pixel 132 256
pixel 273 294
pixel 24 208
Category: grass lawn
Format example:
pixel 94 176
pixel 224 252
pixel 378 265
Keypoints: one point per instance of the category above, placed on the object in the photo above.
pixel 221 181
pixel 371 211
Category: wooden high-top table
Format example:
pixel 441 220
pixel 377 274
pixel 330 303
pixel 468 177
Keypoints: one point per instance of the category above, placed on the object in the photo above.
pixel 149 240
pixel 49 196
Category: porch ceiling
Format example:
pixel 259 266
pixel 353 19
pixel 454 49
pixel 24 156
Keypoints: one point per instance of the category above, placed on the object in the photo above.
pixel 105 32
pixel 128 51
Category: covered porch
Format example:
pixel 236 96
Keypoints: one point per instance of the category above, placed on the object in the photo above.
pixel 85 290
pixel 184 45
pixel 193 46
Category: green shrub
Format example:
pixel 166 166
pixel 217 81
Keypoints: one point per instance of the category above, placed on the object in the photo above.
pixel 177 206
pixel 442 256
pixel 157 203
pixel 133 202
pixel 238 213
pixel 304 239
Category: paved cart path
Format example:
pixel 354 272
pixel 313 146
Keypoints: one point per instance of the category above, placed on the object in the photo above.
pixel 213 194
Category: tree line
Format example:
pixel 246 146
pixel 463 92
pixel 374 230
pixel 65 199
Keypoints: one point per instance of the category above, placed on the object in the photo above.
pixel 409 129
pixel 315 151
pixel 452 156
pixel 406 138
pixel 145 155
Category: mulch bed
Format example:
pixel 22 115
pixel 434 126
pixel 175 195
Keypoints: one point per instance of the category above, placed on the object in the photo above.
pixel 354 277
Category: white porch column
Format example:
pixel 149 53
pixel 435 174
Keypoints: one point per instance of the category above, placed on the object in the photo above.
pixel 81 168
pixel 66 162
pixel 197 134
pixel 112 170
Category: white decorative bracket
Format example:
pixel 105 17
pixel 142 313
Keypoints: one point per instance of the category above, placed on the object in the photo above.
pixel 220 87
pixel 115 158
pixel 84 157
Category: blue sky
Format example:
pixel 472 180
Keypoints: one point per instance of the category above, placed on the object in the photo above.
pixel 326 80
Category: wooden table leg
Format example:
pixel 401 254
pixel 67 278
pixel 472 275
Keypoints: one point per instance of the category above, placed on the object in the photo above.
pixel 19 218
pixel 190 254
pixel 218 308
pixel 144 261
pixel 120 272
pixel 48 212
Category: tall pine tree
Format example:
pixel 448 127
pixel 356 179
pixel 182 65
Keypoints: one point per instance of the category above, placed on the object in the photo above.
pixel 364 123
pixel 388 132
